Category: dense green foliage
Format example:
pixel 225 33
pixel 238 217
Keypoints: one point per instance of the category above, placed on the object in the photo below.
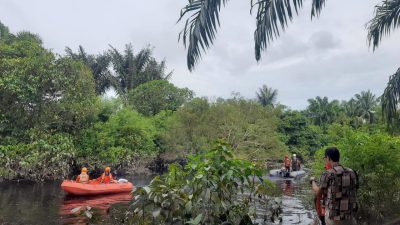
pixel 299 134
pixel 46 157
pixel 246 126
pixel 213 188
pixel 124 136
pixel 39 90
pixel 322 110
pixel 154 96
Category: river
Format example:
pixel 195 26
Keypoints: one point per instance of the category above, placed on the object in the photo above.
pixel 45 203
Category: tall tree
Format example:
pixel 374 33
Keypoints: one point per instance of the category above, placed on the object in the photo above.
pixel 152 97
pixel 40 90
pixel 351 108
pixel 133 70
pixel 267 96
pixel 322 110
pixel 386 19
pixel 99 64
pixel 366 103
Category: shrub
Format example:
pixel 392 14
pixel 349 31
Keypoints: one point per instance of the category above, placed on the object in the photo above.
pixel 47 157
pixel 116 142
pixel 213 188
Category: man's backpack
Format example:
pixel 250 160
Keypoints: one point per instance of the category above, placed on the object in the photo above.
pixel 342 193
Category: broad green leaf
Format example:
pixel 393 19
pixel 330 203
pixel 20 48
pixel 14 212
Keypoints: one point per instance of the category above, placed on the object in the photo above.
pixel 196 220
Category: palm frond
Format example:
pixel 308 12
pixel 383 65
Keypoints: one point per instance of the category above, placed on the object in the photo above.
pixel 272 18
pixel 200 27
pixel 386 19
pixel 316 7
pixel 99 65
pixel 390 99
pixel 117 60
pixel 142 58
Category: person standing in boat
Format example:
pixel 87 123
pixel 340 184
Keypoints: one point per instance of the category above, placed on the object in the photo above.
pixel 286 164
pixel 106 177
pixel 83 177
pixel 295 163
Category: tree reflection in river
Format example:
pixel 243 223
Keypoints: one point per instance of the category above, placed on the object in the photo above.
pixel 296 201
pixel 72 210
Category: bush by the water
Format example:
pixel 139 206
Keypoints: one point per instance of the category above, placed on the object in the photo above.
pixel 47 157
pixel 213 188
pixel 125 135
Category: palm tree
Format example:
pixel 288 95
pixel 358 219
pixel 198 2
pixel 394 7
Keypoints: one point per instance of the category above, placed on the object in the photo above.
pixel 267 96
pixel 323 111
pixel 351 108
pixel 386 19
pixel 272 17
pixel 366 102
pixel 99 64
pixel 390 100
pixel 132 70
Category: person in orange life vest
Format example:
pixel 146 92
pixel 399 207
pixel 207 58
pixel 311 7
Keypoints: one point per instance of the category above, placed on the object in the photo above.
pixel 83 177
pixel 106 177
pixel 286 163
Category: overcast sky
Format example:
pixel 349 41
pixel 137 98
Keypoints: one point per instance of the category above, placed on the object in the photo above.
pixel 324 57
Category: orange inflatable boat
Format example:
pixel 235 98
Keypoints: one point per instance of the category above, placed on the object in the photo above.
pixel 95 188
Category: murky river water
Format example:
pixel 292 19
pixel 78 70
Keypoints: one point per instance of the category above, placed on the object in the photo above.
pixel 38 204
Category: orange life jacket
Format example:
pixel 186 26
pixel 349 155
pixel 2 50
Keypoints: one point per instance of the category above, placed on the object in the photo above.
pixel 287 162
pixel 318 204
pixel 328 166
pixel 106 178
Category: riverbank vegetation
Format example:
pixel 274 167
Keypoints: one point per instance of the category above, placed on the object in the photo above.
pixel 56 117
pixel 213 188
